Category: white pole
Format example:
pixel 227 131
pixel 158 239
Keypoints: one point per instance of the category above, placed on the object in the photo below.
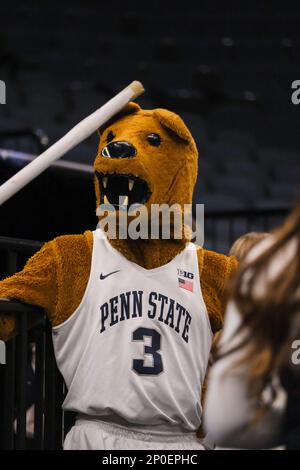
pixel 77 134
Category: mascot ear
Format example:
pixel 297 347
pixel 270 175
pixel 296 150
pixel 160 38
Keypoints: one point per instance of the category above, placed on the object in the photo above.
pixel 130 108
pixel 174 125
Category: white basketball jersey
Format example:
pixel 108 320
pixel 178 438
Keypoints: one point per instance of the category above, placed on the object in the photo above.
pixel 137 347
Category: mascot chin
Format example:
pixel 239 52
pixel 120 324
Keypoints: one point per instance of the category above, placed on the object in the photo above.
pixel 132 318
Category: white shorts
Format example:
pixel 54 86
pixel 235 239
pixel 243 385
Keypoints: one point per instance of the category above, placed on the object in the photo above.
pixel 98 435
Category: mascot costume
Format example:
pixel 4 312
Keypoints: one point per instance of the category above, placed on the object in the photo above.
pixel 132 320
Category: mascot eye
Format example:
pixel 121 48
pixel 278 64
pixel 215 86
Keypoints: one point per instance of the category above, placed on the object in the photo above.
pixel 154 139
pixel 110 136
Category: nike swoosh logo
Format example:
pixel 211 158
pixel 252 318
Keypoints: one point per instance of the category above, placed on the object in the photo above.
pixel 102 276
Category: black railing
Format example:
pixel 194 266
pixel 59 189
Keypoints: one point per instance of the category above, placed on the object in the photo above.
pixel 222 228
pixel 50 423
pixel 31 387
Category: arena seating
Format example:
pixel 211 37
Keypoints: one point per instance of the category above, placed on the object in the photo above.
pixel 227 71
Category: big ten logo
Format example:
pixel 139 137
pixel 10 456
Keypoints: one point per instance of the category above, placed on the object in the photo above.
pixel 296 94
pixel 296 354
pixel 2 92
pixel 2 352
pixel 185 274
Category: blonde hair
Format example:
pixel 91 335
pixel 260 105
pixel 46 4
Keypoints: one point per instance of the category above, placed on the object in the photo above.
pixel 243 245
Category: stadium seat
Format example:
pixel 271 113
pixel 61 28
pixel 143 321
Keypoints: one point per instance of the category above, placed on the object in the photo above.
pixel 232 87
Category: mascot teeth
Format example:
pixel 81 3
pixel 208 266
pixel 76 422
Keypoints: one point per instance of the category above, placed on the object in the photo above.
pixel 122 190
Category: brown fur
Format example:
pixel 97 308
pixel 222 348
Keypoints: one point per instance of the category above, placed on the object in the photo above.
pixel 170 169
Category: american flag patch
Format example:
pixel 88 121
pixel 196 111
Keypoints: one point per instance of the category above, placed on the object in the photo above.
pixel 188 285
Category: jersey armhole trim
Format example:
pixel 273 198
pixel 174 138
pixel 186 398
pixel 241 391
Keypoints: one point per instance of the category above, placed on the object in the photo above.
pixel 200 289
pixel 85 292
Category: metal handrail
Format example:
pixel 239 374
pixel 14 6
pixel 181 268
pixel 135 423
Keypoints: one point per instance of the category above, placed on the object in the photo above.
pixel 251 212
pixel 15 306
pixel 20 245
pixel 32 327
pixel 15 155
pixel 39 136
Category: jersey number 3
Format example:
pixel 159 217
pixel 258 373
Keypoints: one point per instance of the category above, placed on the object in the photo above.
pixel 152 350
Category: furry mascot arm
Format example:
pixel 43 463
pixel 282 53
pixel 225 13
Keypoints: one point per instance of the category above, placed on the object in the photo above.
pixel 215 269
pixel 54 278
pixel 33 285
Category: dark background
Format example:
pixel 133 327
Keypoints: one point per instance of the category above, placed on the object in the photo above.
pixel 225 67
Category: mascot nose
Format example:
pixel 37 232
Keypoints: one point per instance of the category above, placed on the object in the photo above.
pixel 119 149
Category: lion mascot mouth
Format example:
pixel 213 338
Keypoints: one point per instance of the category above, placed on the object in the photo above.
pixel 145 157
